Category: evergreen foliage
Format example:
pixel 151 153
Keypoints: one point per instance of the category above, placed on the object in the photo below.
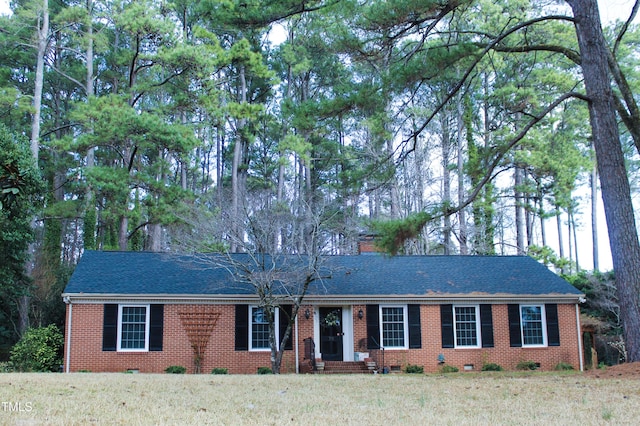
pixel 39 349
pixel 414 369
pixel 21 194
pixel 442 127
pixel 491 366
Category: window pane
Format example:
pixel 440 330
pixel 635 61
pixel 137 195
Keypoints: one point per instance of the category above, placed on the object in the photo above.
pixel 393 327
pixel 259 329
pixel 466 328
pixel 532 332
pixel 133 329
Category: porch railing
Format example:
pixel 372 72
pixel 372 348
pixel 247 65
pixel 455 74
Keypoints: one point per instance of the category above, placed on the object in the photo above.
pixel 310 352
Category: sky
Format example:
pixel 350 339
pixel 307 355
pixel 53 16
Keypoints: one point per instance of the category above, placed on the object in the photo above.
pixel 609 11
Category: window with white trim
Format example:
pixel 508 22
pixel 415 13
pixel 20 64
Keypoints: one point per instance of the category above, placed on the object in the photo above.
pixel 259 328
pixel 532 320
pixel 133 328
pixel 393 321
pixel 466 323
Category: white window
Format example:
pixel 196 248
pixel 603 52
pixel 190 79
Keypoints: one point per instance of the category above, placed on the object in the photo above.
pixel 393 327
pixel 259 331
pixel 533 324
pixel 133 328
pixel 467 326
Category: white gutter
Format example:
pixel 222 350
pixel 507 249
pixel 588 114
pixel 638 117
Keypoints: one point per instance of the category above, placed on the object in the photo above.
pixel 580 349
pixel 67 367
pixel 295 325
pixel 331 299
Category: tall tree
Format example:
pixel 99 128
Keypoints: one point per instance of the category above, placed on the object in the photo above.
pixel 616 193
pixel 20 189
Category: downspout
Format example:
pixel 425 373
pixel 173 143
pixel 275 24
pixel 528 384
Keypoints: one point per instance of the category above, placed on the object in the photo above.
pixel 67 300
pixel 580 350
pixel 295 332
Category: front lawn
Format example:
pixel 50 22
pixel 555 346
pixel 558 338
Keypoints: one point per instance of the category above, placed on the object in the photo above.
pixel 459 398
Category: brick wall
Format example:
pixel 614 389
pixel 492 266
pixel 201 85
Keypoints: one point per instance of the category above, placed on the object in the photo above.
pixel 502 353
pixel 87 354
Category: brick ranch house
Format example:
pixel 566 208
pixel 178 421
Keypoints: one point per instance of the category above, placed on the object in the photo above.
pixel 146 311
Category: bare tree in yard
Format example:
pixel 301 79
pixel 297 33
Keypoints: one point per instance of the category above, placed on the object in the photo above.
pixel 616 193
pixel 280 275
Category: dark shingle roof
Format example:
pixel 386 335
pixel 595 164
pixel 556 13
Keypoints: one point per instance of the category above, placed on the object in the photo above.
pixel 145 273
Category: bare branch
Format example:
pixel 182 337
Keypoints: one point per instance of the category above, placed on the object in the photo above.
pixel 625 26
pixel 472 67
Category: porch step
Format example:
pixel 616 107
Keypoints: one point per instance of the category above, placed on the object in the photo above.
pixel 344 367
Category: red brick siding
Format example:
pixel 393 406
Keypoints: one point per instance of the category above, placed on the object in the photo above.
pixel 501 353
pixel 87 354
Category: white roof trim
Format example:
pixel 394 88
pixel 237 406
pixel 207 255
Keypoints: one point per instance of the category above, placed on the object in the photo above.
pixel 85 298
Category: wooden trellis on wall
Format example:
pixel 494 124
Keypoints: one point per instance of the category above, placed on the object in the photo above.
pixel 199 322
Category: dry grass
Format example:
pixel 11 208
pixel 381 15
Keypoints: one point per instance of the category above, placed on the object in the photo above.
pixel 461 398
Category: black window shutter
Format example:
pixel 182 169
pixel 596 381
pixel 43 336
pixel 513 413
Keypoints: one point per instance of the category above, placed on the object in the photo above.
pixel 415 332
pixel 242 327
pixel 110 327
pixel 373 327
pixel 515 336
pixel 285 313
pixel 446 324
pixel 553 330
pixel 156 327
pixel 486 326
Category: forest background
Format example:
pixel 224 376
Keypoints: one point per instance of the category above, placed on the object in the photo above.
pixel 440 127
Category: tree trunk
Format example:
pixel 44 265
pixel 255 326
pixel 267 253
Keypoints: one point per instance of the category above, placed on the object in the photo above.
pixel 446 184
pixel 560 238
pixel 236 179
pixel 123 236
pixel 394 193
pixel 520 219
pixel 462 218
pixel 541 215
pixel 569 240
pixel 593 181
pixel 42 42
pixel 219 163
pixel 616 193
pixel 89 225
pixel 575 240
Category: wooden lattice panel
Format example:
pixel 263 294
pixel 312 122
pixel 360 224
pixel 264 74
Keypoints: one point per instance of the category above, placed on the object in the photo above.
pixel 199 322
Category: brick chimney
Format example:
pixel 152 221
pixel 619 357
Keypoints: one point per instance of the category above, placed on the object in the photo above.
pixel 366 244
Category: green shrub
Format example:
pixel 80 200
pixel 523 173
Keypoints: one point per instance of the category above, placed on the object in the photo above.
pixel 414 369
pixel 219 370
pixel 39 349
pixel 175 369
pixel 526 365
pixel 492 366
pixel 5 367
pixel 563 366
pixel 448 369
pixel 264 370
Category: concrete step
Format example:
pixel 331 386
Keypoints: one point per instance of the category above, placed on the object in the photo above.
pixel 345 367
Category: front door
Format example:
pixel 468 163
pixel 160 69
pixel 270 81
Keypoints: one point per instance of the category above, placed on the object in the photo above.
pixel 331 333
